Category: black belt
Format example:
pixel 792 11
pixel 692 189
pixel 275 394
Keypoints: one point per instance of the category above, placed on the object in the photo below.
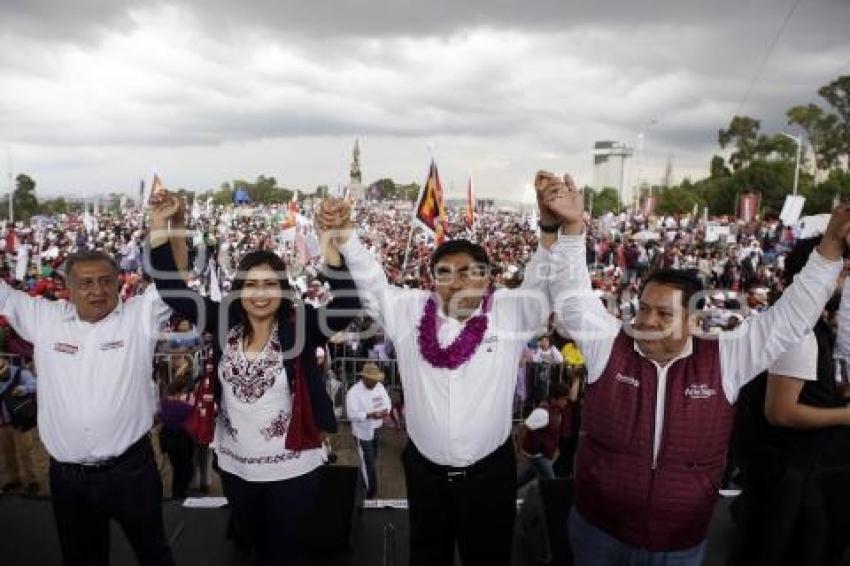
pixel 109 463
pixel 452 473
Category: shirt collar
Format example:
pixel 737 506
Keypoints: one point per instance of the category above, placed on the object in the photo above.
pixel 687 350
pixel 71 312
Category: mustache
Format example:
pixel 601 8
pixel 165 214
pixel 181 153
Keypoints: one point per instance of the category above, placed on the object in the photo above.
pixel 643 332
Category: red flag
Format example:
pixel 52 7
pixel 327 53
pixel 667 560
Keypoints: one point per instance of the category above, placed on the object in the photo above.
pixel 470 205
pixel 11 239
pixel 431 209
pixel 748 206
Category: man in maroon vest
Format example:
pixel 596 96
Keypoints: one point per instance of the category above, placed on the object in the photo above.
pixel 658 408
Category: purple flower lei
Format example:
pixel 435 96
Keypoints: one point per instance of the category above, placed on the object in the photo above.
pixel 462 348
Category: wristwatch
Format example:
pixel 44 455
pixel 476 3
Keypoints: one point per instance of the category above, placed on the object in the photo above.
pixel 549 228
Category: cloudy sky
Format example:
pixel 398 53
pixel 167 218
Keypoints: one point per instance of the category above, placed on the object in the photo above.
pixel 95 95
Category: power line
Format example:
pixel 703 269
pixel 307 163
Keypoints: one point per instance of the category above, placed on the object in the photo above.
pixel 767 55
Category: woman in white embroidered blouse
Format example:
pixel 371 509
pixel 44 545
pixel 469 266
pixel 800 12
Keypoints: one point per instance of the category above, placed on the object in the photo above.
pixel 268 480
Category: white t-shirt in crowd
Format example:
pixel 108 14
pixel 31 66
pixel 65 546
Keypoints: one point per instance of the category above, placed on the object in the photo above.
pixel 360 401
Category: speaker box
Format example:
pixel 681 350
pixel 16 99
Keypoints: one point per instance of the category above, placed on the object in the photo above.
pixel 330 525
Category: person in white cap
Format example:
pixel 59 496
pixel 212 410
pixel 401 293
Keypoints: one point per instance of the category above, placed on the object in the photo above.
pixel 366 405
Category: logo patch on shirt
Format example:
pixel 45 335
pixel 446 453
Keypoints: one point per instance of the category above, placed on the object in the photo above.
pixel 491 342
pixel 65 348
pixel 112 345
pixel 699 391
pixel 627 379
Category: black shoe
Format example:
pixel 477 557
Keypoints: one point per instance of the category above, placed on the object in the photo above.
pixel 33 488
pixel 12 486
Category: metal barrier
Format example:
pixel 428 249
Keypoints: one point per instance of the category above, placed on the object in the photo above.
pixel 166 367
pixel 533 382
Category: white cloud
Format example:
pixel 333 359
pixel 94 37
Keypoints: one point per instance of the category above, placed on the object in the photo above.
pixel 211 91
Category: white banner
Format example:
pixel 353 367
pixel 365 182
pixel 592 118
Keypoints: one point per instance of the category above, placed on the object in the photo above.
pixel 792 209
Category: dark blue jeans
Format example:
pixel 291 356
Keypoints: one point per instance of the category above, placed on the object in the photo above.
pixel 85 499
pixel 594 547
pixel 369 451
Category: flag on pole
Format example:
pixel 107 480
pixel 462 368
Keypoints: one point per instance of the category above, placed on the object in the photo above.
pixel 11 239
pixel 470 205
pixel 431 208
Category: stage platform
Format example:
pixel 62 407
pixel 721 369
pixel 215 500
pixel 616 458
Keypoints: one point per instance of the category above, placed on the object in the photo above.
pixel 28 537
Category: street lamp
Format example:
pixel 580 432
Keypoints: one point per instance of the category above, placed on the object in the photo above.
pixel 799 141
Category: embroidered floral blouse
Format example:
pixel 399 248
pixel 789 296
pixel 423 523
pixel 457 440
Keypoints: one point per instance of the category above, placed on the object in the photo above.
pixel 253 418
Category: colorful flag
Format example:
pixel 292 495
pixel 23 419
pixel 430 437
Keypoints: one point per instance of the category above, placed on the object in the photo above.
pixel 470 205
pixel 431 209
pixel 748 206
pixel 11 239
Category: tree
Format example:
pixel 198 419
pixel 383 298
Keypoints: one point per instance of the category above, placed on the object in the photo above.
pixel 678 199
pixel 822 131
pixel 53 206
pixel 837 94
pixel 819 197
pixel 24 199
pixel 743 136
pixel 718 167
pixel 606 200
pixel 322 191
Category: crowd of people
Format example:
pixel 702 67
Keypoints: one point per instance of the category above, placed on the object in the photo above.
pixel 474 342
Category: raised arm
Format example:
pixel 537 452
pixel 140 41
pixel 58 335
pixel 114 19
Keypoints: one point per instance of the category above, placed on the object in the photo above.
pixel 381 300
pixel 579 314
pixel 761 339
pixel 324 322
pixel 168 277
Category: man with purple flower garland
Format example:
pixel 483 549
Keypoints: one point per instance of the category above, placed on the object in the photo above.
pixel 458 349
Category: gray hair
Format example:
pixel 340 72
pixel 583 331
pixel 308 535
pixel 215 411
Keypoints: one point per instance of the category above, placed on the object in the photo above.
pixel 85 256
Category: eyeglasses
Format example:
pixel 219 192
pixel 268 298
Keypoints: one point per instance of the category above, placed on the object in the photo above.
pixel 444 274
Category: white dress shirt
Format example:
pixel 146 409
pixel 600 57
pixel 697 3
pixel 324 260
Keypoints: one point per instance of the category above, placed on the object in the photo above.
pixel 96 394
pixel 455 417
pixel 359 402
pixel 744 353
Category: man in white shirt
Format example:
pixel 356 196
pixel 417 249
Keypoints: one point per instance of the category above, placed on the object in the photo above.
pixel 93 357
pixel 457 350
pixel 366 405
pixel 658 407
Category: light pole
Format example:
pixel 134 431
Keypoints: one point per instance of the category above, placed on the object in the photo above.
pixel 799 141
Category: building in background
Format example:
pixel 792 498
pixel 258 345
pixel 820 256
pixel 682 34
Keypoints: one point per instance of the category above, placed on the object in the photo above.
pixel 609 168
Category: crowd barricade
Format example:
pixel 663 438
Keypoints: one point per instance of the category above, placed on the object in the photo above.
pixel 167 365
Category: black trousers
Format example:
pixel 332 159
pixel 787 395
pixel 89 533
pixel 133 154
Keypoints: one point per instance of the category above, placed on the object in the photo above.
pixel 130 492
pixel 474 511
pixel 180 448
pixel 267 516
pixel 780 515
